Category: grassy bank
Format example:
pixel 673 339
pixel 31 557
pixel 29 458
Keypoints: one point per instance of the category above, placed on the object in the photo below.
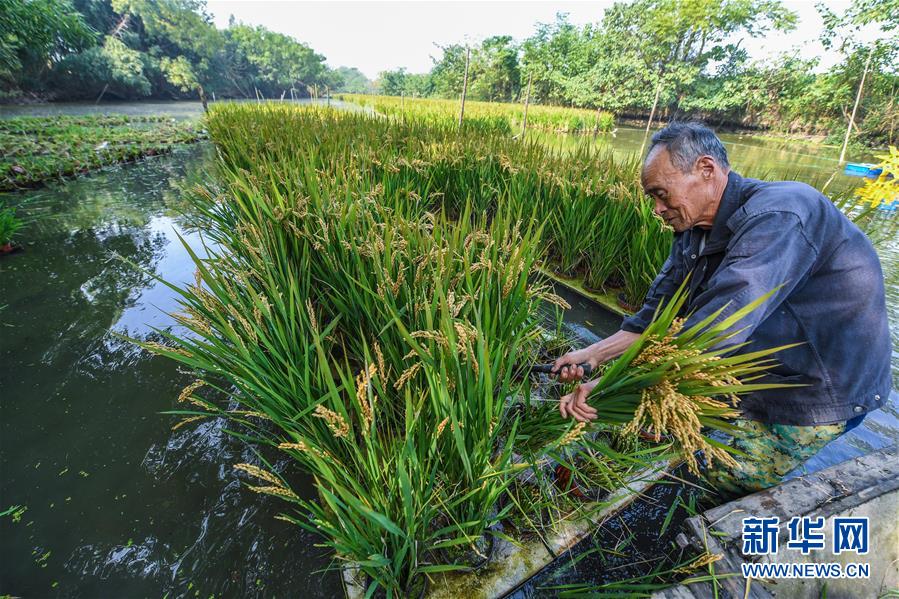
pixel 37 149
pixel 497 116
pixel 368 314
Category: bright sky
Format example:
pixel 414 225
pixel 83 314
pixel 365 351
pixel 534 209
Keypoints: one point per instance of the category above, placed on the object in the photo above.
pixel 375 36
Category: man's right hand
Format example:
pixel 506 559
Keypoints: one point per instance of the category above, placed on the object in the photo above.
pixel 567 369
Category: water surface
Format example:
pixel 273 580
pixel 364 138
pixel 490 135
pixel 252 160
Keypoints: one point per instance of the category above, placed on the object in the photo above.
pixel 117 504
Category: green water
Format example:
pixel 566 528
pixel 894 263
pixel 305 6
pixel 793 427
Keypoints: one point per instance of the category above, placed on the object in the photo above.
pixel 751 156
pixel 118 504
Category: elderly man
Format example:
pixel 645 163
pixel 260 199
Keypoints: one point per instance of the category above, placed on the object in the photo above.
pixel 741 238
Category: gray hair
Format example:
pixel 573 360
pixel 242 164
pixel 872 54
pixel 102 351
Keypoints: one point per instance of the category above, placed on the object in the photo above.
pixel 688 142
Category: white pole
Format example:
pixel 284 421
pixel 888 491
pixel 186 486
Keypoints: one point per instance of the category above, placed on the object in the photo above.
pixel 464 86
pixel 651 114
pixel 527 100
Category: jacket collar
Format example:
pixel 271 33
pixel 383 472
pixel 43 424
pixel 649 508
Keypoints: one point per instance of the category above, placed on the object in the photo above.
pixel 731 200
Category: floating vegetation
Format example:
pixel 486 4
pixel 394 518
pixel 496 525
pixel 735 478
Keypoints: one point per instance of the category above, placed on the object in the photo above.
pixel 35 149
pixel 369 296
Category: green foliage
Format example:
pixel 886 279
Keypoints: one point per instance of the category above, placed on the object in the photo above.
pixel 161 48
pixel 278 60
pixel 392 83
pixel 179 73
pixel 34 31
pixel 352 80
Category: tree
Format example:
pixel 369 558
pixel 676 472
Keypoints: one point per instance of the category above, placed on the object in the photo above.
pixel 554 55
pixel 672 42
pixel 494 72
pixel 35 34
pixel 392 83
pixel 277 62
pixel 874 114
pixel 353 81
pixel 448 71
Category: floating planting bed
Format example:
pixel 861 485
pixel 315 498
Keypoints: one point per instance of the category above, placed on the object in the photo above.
pixel 369 312
pixel 513 562
pixel 497 117
pixel 36 149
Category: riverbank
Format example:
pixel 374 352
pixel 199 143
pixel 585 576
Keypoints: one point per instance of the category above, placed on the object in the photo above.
pixel 38 149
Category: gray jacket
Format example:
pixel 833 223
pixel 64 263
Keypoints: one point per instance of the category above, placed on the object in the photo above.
pixel 832 300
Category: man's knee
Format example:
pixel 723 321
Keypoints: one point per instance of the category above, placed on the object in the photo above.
pixel 767 453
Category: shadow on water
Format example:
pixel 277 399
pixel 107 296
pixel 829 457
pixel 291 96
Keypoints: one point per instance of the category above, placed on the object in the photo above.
pixel 117 504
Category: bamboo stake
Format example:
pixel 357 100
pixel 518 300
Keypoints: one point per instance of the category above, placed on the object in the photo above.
pixel 892 115
pixel 858 97
pixel 652 113
pixel 202 93
pixel 103 91
pixel 464 86
pixel 527 100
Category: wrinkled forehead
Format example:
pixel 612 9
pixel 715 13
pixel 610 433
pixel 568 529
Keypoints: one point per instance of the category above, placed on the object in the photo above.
pixel 656 165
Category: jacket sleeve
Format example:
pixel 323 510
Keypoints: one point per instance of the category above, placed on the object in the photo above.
pixel 769 250
pixel 663 287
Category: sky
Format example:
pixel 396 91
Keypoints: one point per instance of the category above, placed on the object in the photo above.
pixel 375 36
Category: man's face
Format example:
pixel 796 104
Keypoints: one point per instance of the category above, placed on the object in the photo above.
pixel 683 200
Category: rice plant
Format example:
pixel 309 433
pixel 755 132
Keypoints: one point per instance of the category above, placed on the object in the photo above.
pixel 489 116
pixel 671 382
pixel 369 295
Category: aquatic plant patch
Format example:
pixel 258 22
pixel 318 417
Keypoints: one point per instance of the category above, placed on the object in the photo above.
pixel 37 149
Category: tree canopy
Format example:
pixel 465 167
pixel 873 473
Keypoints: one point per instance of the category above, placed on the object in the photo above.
pixel 691 52
pixel 130 49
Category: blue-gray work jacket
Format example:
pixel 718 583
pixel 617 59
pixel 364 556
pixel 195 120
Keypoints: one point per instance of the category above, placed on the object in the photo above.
pixel 786 233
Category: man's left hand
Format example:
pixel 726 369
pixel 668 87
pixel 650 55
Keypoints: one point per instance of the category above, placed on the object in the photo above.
pixel 574 405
